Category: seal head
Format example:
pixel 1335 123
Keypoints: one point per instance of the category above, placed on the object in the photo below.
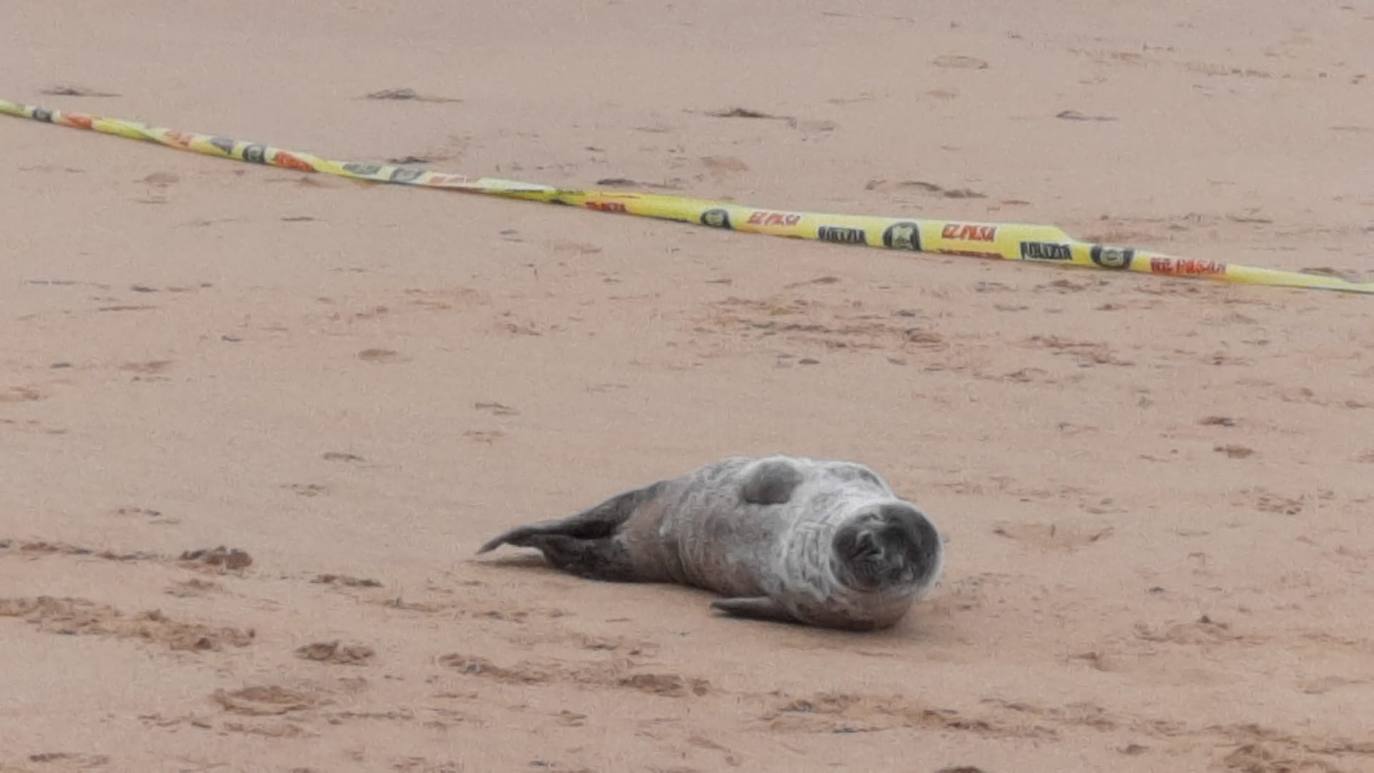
pixel 887 547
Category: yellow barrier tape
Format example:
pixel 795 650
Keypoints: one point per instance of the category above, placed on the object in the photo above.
pixel 1009 241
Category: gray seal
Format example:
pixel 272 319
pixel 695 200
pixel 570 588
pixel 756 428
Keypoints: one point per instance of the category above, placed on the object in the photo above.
pixel 818 542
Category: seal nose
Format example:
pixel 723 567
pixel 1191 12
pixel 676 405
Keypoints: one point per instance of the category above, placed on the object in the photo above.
pixel 868 545
pixel 921 540
pixel 928 546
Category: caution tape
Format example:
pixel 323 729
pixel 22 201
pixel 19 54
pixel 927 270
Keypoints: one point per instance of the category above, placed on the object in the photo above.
pixel 1009 241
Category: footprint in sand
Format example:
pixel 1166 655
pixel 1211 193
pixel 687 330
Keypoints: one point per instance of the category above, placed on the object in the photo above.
pixel 1062 286
pixel 1087 353
pixel 1049 536
pixel 340 456
pixel 68 760
pixel 1203 631
pixel 406 95
pixel 77 617
pixel 925 187
pixel 661 684
pixel 345 581
pixel 263 700
pixel 382 356
pixel 160 179
pixel 470 665
pixel 147 515
pixel 306 489
pixel 744 112
pixel 723 166
pixel 568 247
pixel 230 559
pixel 959 62
pixel 668 685
pixel 127 307
pixel 1269 502
pixel 157 184
pixel 1325 684
pixel 68 90
pixel 20 394
pixel 336 653
pixel 192 588
pixel 41 547
pixel 853 713
pixel 150 370
pixel 1074 115
pixel 702 742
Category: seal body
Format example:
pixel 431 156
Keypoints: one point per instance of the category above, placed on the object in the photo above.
pixel 819 542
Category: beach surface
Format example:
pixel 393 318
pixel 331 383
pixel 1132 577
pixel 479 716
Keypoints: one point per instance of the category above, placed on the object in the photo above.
pixel 255 423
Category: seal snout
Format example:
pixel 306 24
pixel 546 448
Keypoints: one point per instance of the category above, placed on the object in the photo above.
pixel 912 531
pixel 890 546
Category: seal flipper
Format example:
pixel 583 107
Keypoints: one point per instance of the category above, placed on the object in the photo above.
pixel 593 523
pixel 771 482
pixel 595 559
pixel 756 607
pixel 585 543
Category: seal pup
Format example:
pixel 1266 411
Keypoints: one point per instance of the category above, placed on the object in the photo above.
pixel 818 542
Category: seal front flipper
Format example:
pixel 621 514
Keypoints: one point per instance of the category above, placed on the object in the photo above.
pixel 756 607
pixel 770 482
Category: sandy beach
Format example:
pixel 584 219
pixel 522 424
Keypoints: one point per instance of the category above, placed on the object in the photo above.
pixel 255 423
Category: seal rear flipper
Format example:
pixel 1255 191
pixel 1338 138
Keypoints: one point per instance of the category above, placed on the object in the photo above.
pixel 593 523
pixel 595 559
pixel 756 607
pixel 520 535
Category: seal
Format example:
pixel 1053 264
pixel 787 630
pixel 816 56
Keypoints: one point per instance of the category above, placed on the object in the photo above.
pixel 818 542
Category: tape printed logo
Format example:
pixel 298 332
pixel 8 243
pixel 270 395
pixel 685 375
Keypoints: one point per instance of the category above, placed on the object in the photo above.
pixel 1045 251
pixel 969 233
pixel 180 139
pixel 1112 257
pixel 841 235
pixel 1186 267
pixel 904 235
pixel 764 217
pixel 289 161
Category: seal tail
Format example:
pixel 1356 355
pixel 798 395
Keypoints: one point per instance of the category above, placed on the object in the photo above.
pixel 598 522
